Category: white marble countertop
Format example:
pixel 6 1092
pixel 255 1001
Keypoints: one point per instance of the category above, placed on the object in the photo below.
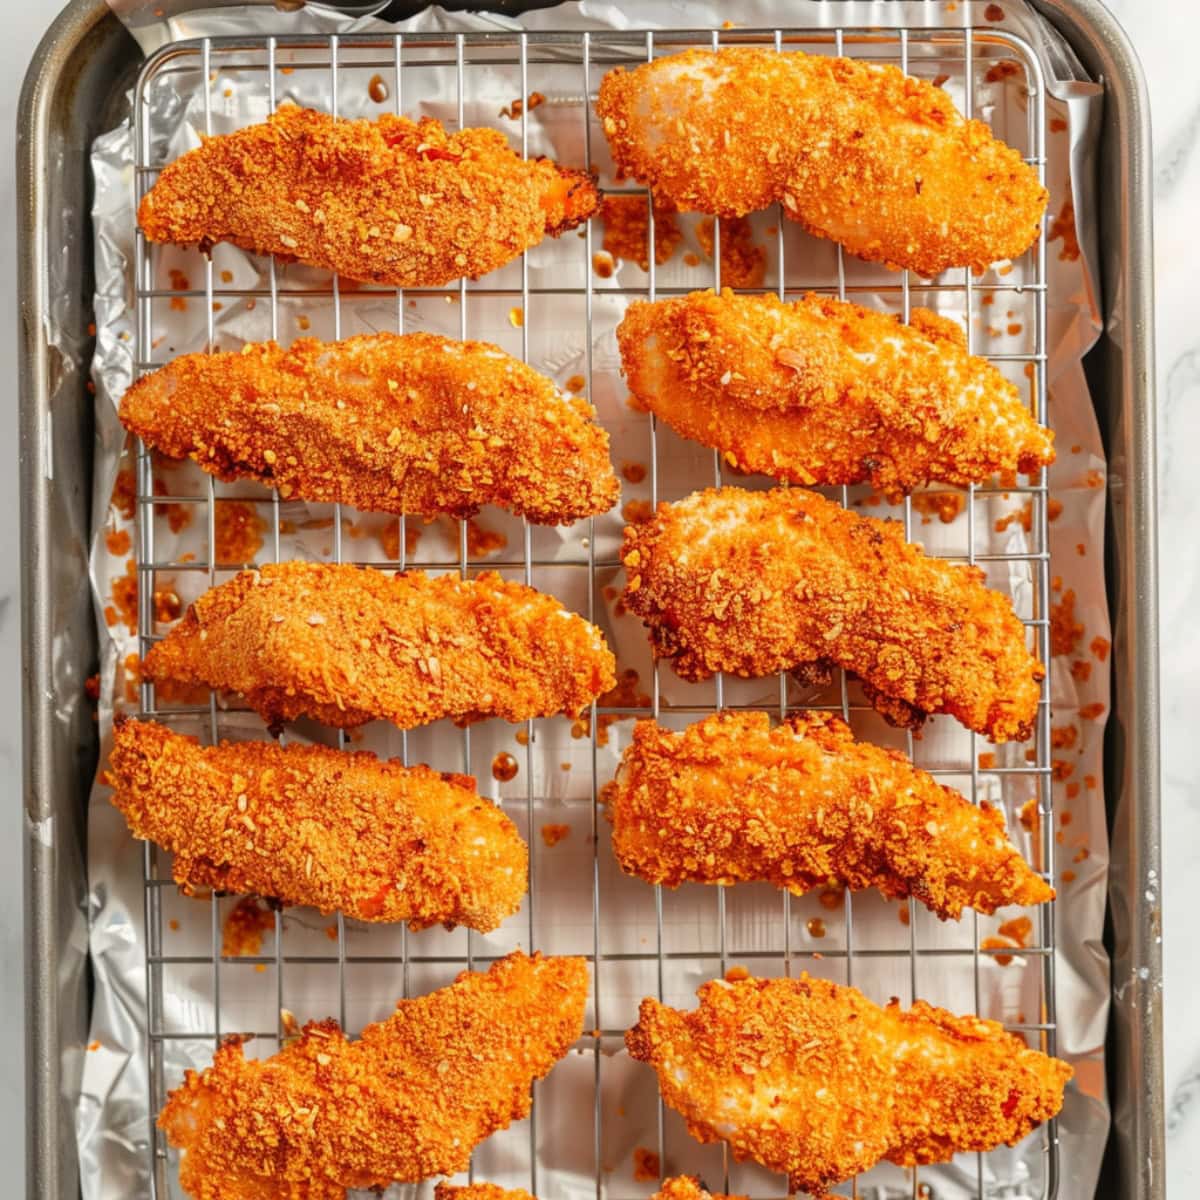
pixel 1165 33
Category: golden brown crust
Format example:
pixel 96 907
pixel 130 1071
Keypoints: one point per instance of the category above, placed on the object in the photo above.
pixel 346 644
pixel 340 831
pixel 416 424
pixel 813 1080
pixel 730 799
pixel 390 201
pixel 410 1099
pixel 758 582
pixel 862 154
pixel 823 392
pixel 478 1191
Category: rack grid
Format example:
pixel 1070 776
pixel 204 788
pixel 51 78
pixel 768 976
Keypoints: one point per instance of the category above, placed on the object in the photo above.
pixel 960 55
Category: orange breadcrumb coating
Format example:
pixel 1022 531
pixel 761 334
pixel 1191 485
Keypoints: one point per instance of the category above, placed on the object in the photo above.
pixel 478 1191
pixel 824 392
pixel 411 423
pixel 802 805
pixel 813 1080
pixel 688 1187
pixel 390 201
pixel 340 831
pixel 410 1099
pixel 346 645
pixel 785 580
pixel 876 160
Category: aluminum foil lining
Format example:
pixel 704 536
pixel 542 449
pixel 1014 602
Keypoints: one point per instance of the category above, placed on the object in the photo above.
pixel 556 779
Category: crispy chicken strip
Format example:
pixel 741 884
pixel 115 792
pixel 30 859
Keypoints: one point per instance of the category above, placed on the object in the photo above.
pixel 813 1080
pixel 729 800
pixel 348 644
pixel 312 825
pixel 390 201
pixel 758 582
pixel 878 161
pixel 413 424
pixel 410 1099
pixel 823 392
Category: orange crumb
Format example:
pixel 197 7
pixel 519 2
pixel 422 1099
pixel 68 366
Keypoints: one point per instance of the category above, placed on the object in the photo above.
pixel 987 760
pixel 627 230
pixel 331 932
pixel 1028 816
pixel 125 598
pixel 1068 876
pixel 1072 789
pixel 173 924
pixel 1089 712
pixel 242 933
pixel 1053 509
pixel 832 898
pixel 93 1045
pixel 389 539
pixel 637 511
pixel 998 943
pixel 1080 549
pixel 743 261
pixel 904 915
pixel 552 835
pixel 646 1165
pixel 634 472
pixel 1089 782
pixel 1057 125
pixel 1100 647
pixel 1063 737
pixel 117 541
pixel 1062 769
pixel 481 542
pixel 1023 515
pixel 736 973
pixel 1065 630
pixel 238 531
pixel 1081 670
pixel 946 505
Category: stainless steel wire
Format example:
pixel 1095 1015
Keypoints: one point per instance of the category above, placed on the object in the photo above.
pixel 591 53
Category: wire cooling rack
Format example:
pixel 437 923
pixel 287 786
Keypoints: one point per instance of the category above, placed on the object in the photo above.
pixel 566 69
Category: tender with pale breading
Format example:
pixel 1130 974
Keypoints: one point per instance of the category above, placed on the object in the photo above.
pixel 876 160
pixel 410 1099
pixel 341 831
pixel 823 392
pixel 730 800
pixel 390 201
pixel 785 580
pixel 411 423
pixel 348 644
pixel 813 1080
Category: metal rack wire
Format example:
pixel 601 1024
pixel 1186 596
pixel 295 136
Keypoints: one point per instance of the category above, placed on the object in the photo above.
pixel 528 55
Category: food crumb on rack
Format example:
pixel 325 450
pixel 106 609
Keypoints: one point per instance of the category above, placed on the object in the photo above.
pixel 1090 712
pixel 1073 789
pixel 552 834
pixel 946 506
pixel 1065 630
pixel 514 110
pixel 993 12
pixel 94 1045
pixel 117 541
pixel 736 973
pixel 743 261
pixel 576 384
pixel 903 915
pixel 377 89
pixel 624 694
pixel 331 932
pixel 1061 769
pixel 173 925
pixel 1068 876
pixel 1063 737
pixel 179 282
pixel 815 927
pixel 1028 816
pixel 1005 69
pixel 389 539
pixel 633 472
pixel 131 677
pixel 482 541
pixel 626 222
pixel 242 932
pixel 832 898
pixel 1100 646
pixel 124 599
pixel 91 687
pixel 1081 670
pixel 238 531
pixel 1057 125
pixel 987 760
pixel 646 1165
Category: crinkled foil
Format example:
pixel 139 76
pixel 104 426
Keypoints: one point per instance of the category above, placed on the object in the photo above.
pixel 559 772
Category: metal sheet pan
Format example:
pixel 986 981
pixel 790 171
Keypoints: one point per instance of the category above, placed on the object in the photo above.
pixel 55 493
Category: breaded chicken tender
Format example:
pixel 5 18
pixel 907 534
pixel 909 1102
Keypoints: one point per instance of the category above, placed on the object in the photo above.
pixel 823 392
pixel 731 800
pixel 411 423
pixel 785 580
pixel 346 645
pixel 390 201
pixel 813 1080
pixel 343 832
pixel 410 1099
pixel 880 162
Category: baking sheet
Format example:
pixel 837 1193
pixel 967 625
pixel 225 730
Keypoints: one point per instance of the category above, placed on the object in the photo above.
pixel 556 779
